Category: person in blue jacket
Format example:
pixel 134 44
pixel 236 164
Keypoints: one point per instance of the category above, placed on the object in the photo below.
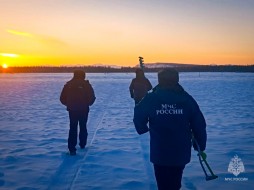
pixel 77 95
pixel 173 116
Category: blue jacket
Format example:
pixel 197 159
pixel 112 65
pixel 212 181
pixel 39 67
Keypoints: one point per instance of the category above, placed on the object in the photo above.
pixel 173 116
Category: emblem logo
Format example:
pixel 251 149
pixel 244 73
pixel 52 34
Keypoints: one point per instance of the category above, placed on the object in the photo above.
pixel 236 166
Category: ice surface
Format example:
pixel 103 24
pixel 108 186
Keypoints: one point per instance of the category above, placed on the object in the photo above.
pixel 34 130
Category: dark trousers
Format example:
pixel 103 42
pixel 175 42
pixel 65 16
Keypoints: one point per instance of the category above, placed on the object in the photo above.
pixel 168 177
pixel 77 117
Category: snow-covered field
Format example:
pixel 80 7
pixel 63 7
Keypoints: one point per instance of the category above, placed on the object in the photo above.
pixel 34 130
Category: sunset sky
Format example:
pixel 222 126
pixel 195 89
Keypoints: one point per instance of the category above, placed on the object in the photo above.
pixel 117 32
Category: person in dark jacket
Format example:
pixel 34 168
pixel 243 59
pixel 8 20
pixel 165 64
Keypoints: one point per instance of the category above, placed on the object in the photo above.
pixel 139 86
pixel 173 116
pixel 77 95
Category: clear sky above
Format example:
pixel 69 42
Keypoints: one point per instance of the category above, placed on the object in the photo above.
pixel 116 32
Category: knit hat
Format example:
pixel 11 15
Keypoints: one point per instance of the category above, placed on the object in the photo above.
pixel 168 77
pixel 79 74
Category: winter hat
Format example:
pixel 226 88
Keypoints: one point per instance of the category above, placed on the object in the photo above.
pixel 168 77
pixel 79 74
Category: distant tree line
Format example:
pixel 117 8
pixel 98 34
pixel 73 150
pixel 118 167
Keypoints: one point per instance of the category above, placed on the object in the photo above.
pixel 96 69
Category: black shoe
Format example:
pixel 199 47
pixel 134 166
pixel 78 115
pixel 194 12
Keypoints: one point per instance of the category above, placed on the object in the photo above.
pixel 73 153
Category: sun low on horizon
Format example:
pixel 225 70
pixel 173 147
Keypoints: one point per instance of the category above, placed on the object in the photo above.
pixel 82 32
pixel 4 66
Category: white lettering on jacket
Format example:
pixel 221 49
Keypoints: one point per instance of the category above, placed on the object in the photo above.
pixel 169 109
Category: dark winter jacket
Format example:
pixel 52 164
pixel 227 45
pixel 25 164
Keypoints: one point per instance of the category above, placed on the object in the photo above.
pixel 139 88
pixel 173 116
pixel 77 95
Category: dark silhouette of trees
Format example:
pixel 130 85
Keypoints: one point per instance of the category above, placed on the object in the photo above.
pixel 107 69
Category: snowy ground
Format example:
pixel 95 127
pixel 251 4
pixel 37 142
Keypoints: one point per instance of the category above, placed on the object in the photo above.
pixel 34 129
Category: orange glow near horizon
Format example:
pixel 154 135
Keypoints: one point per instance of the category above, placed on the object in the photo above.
pixel 89 32
pixel 35 60
pixel 41 50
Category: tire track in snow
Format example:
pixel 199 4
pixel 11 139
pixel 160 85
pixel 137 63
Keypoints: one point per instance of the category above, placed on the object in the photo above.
pixel 68 171
pixel 86 153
